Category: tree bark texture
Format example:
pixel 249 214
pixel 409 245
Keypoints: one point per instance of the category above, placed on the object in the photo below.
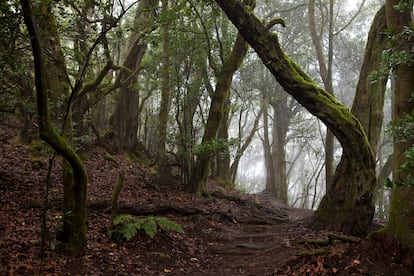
pixel 165 92
pixel 368 103
pixel 401 218
pixel 75 240
pixel 281 119
pixel 349 205
pixel 267 149
pixel 125 118
pixel 201 168
pixel 222 173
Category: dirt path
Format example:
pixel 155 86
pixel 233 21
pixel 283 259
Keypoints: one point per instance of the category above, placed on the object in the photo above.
pixel 225 234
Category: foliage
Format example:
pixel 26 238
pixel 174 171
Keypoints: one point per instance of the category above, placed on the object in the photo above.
pixel 404 5
pixel 215 146
pixel 403 132
pixel 126 227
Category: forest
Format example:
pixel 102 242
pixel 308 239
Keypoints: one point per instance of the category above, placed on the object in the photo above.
pixel 184 137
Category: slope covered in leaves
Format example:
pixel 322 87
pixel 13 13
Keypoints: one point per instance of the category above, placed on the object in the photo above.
pixel 226 234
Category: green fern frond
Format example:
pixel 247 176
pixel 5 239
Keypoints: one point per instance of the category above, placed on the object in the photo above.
pixel 150 227
pixel 126 227
pixel 129 231
pixel 123 219
pixel 169 225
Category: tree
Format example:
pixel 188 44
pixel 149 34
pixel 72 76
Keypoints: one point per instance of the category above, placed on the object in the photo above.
pixel 165 90
pixel 230 65
pixel 349 208
pixel 125 117
pixel 399 18
pixel 75 227
pixel 368 102
pixel 325 70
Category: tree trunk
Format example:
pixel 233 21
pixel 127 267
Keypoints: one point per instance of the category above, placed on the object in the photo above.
pixel 165 91
pixel 368 103
pixel 349 208
pixel 267 149
pixel 185 118
pixel 75 240
pixel 325 71
pixel 402 208
pixel 201 168
pixel 281 119
pixel 125 118
pixel 222 174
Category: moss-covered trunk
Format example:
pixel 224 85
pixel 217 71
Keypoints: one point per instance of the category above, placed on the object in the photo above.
pixel 125 121
pixel 201 168
pixel 354 179
pixel 368 103
pixel 75 241
pixel 401 219
pixel 222 173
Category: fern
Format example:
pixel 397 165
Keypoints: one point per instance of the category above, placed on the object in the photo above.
pixel 126 227
pixel 122 219
pixel 150 227
pixel 169 225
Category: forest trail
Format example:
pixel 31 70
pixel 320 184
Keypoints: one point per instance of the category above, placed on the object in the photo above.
pixel 228 233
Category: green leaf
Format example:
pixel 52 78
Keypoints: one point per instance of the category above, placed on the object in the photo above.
pixel 168 225
pixel 129 231
pixel 122 219
pixel 150 227
pixel 388 183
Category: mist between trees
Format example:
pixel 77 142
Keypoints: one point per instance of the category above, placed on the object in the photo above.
pixel 174 83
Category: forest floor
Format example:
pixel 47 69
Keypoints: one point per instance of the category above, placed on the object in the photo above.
pixel 228 233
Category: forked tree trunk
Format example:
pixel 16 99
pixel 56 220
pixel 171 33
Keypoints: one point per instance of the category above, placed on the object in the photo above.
pixel 125 118
pixel 201 168
pixel 368 103
pixel 349 208
pixel 75 239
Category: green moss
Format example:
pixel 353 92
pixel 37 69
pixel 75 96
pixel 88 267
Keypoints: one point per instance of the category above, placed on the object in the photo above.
pixel 37 163
pixel 83 156
pixel 226 183
pixel 111 158
pixel 39 148
pixel 401 216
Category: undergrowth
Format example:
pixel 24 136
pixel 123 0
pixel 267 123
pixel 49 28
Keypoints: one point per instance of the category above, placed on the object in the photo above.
pixel 126 227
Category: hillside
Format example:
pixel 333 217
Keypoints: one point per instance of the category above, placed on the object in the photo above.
pixel 228 233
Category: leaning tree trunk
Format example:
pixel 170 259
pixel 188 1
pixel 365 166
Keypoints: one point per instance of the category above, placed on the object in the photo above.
pixel 349 208
pixel 368 103
pixel 75 240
